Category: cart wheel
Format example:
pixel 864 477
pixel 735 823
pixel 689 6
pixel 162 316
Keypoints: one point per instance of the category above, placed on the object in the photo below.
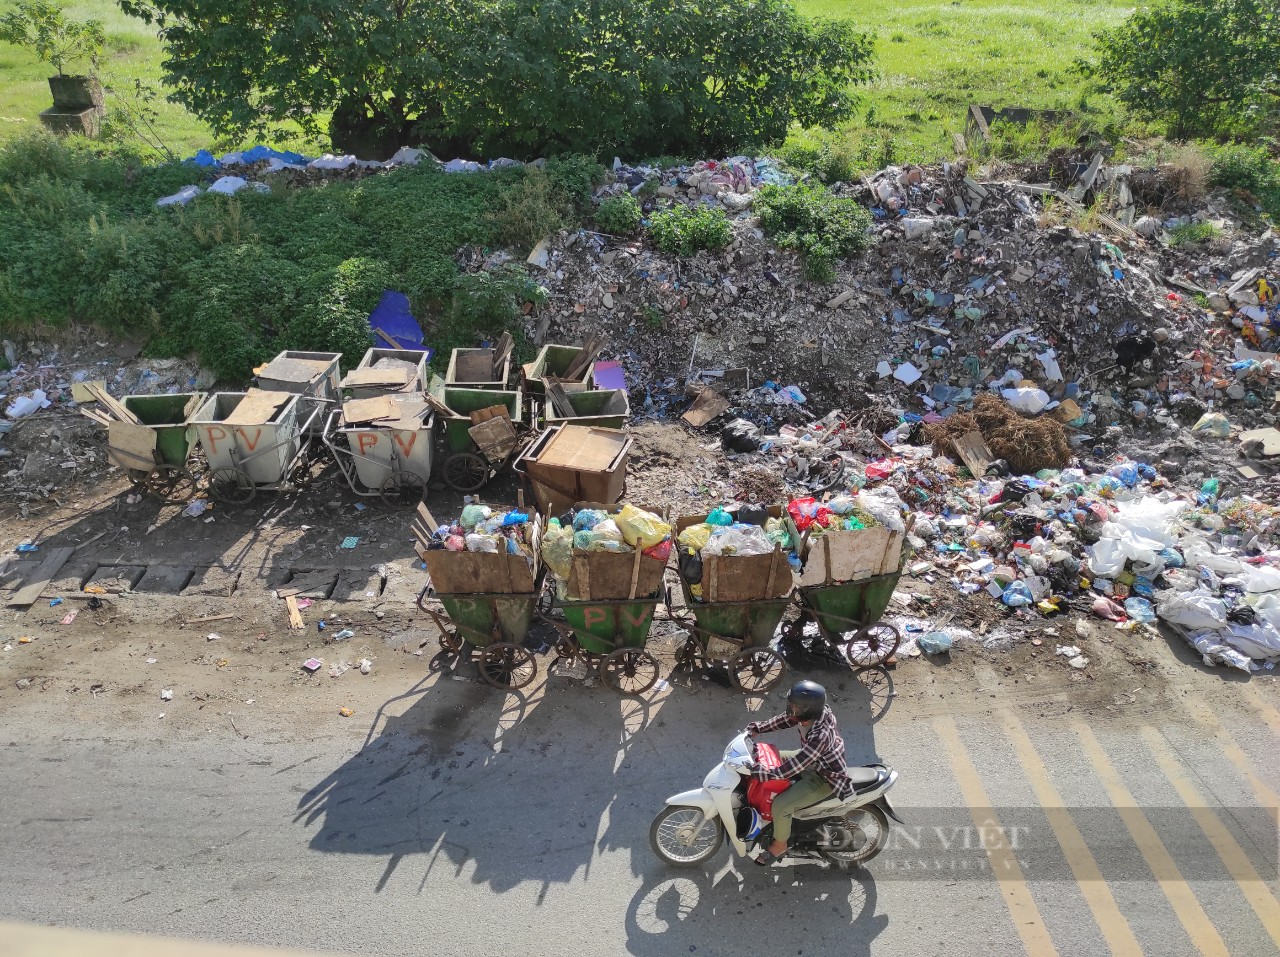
pixel 171 484
pixel 232 487
pixel 689 656
pixel 629 670
pixel 567 647
pixel 402 488
pixel 507 666
pixel 466 472
pixel 873 645
pixel 757 670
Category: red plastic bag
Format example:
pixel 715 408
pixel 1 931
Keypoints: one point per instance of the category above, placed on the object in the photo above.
pixel 760 794
pixel 661 551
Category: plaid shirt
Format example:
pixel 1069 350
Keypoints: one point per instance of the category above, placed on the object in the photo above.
pixel 821 749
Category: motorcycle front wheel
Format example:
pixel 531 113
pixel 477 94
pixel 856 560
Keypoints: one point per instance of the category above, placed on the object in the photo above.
pixel 684 836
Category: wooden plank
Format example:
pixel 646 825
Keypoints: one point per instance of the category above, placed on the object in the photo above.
pixel 494 437
pixel 490 412
pixel 560 400
pixel 258 407
pixel 115 409
pixel 474 366
pixel 97 416
pixel 586 355
pixel 40 578
pixel 131 446
pixel 395 376
pixel 295 615
pixel 80 390
pixel 705 407
pixel 502 353
pixel 973 451
pixel 377 409
pixel 387 337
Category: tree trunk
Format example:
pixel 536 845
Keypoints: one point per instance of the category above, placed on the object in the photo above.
pixel 358 129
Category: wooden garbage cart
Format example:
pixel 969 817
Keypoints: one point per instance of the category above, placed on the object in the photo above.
pixel 488 599
pixel 732 623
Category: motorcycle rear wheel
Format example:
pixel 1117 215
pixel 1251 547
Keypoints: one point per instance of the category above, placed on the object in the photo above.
pixel 862 834
pixel 680 836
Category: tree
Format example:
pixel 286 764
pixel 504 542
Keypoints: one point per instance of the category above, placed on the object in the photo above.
pixel 512 77
pixel 1203 67
pixel 54 39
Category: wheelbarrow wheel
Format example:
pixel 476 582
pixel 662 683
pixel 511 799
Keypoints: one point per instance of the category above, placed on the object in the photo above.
pixel 466 472
pixel 629 670
pixel 402 488
pixel 232 487
pixel 757 670
pixel 507 666
pixel 873 645
pixel 451 642
pixel 170 483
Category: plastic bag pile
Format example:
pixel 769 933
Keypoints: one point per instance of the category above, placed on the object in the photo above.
pixel 595 530
pixel 481 529
pixel 751 531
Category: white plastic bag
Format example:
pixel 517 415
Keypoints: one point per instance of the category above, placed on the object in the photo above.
pixel 738 540
pixel 1027 401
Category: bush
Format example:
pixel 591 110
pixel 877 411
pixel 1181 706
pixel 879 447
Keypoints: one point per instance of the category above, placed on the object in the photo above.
pixel 1249 170
pixel 827 158
pixel 683 230
pixel 532 205
pixel 818 225
pixel 619 215
pixel 231 279
pixel 1202 67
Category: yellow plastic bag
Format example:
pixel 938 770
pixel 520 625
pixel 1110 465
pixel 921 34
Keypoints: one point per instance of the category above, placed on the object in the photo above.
pixel 641 529
pixel 557 550
pixel 695 537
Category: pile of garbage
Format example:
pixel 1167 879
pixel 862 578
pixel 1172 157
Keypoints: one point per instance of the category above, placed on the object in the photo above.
pixel 481 529
pixel 623 529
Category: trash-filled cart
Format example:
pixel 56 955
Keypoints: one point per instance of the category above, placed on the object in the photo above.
pixel 736 580
pixel 850 566
pixel 608 562
pixel 484 572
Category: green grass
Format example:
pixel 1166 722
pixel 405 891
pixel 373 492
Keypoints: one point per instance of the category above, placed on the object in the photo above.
pixel 935 58
pixel 938 58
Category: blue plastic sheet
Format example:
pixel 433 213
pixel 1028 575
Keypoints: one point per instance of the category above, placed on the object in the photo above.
pixel 392 316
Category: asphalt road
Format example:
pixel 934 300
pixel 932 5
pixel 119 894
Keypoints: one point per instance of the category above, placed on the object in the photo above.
pixel 462 821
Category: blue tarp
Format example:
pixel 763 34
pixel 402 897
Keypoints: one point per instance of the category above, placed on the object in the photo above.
pixel 203 158
pixel 393 317
pixel 259 153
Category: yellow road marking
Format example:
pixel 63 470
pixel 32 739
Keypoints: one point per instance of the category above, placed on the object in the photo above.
pixel 1004 864
pixel 1264 707
pixel 1188 910
pixel 1096 893
pixel 1232 854
pixel 1234 753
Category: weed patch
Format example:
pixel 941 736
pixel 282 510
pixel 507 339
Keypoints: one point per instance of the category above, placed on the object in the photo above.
pixel 684 230
pixel 820 226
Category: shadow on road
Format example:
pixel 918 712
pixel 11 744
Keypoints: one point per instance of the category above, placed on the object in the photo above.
pixel 459 781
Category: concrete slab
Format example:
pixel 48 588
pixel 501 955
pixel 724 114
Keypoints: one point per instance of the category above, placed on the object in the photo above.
pixel 72 577
pixel 314 583
pixel 165 579
pixel 358 584
pixel 212 582
pixel 117 578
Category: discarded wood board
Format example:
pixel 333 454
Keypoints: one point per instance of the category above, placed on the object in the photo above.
pixel 1260 443
pixel 131 447
pixel 258 407
pixel 973 452
pixel 41 576
pixel 490 412
pixel 1248 472
pixel 377 409
pixel 495 437
pixel 295 614
pixel 81 392
pixel 706 407
pixel 560 400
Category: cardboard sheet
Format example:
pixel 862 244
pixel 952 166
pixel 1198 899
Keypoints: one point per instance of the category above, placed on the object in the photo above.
pixel 294 370
pixel 584 449
pixel 258 407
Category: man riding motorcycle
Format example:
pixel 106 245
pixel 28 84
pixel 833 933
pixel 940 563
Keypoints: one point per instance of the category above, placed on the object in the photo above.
pixel 816 769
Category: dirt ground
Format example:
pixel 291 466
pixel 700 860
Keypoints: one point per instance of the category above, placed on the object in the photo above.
pixel 185 605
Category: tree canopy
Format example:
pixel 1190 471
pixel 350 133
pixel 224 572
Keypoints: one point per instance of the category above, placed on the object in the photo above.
pixel 1203 67
pixel 512 77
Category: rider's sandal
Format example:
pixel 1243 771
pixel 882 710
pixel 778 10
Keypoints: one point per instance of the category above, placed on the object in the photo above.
pixel 764 858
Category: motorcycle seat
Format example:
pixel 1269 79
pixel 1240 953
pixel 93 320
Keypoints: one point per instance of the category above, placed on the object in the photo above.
pixel 867 778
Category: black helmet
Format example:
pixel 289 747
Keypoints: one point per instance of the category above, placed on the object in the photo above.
pixel 806 701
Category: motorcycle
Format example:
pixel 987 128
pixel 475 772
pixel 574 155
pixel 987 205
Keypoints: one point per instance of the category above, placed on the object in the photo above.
pixel 689 830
